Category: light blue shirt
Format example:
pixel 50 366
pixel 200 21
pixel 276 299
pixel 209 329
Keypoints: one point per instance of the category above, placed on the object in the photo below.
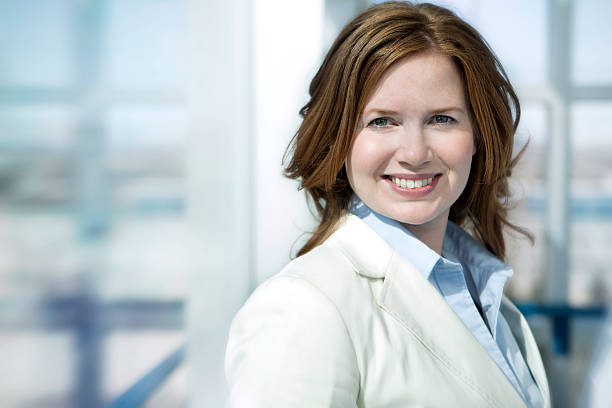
pixel 465 273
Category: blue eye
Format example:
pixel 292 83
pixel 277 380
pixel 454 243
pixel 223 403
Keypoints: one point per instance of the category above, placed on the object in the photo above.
pixel 379 122
pixel 442 120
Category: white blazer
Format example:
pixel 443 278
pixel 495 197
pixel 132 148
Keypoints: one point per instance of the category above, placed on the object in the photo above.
pixel 353 324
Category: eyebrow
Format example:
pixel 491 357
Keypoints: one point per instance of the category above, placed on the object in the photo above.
pixel 382 112
pixel 389 112
pixel 449 109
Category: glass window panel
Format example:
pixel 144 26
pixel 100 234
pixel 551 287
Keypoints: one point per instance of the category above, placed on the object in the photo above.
pixel 130 355
pixel 591 228
pixel 36 43
pixel 506 26
pixel 38 256
pixel 150 194
pixel 592 36
pixel 37 181
pixel 526 259
pixel 36 369
pixel 145 44
pixel 36 162
pixel 146 257
pixel 532 131
pixel 36 127
pixel 527 185
pixel 590 280
pixel 591 139
pixel 146 158
pixel 138 128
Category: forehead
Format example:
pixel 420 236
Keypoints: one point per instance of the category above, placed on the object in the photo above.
pixel 428 77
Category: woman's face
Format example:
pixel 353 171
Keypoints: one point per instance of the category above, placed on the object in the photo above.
pixel 411 155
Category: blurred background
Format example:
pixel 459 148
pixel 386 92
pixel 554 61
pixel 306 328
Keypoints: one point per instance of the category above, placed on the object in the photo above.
pixel 141 195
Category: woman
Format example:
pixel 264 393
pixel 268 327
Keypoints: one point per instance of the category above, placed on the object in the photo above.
pixel 407 136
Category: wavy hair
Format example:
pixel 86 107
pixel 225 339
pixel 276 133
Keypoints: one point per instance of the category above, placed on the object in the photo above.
pixel 362 52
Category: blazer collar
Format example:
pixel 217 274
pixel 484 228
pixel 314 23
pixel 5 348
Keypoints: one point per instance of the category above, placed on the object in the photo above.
pixel 527 345
pixel 352 235
pixel 397 237
pixel 409 298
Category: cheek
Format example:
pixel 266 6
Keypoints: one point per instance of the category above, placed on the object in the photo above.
pixel 362 155
pixel 458 157
pixel 363 162
pixel 464 155
pixel 460 153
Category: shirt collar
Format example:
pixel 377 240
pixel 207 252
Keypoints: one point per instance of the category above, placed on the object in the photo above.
pixel 458 246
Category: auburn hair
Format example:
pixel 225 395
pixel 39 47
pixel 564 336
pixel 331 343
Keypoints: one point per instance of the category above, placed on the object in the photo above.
pixel 365 48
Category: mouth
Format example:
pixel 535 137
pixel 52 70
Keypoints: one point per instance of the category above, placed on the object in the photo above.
pixel 413 181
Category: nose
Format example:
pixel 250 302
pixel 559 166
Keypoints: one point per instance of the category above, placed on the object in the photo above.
pixel 413 148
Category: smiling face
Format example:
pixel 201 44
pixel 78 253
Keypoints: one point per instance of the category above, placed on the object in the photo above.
pixel 411 155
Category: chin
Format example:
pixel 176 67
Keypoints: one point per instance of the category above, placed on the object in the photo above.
pixel 427 213
pixel 412 219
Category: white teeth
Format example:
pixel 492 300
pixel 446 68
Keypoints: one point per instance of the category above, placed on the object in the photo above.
pixel 409 183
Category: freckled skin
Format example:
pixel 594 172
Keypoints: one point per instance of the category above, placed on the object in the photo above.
pixel 415 122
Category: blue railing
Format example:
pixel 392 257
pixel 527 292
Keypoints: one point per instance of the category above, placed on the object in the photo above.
pixel 562 316
pixel 142 390
pixel 599 207
pixel 91 319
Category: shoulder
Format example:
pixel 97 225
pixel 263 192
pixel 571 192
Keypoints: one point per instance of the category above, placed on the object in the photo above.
pixel 324 267
pixel 341 268
pixel 295 342
pixel 311 279
pixel 326 280
pixel 289 344
pixel 312 287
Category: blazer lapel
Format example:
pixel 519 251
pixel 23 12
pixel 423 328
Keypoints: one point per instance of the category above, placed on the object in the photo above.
pixel 419 308
pixel 527 345
pixel 415 303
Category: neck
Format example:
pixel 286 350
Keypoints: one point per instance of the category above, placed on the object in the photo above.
pixel 431 233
